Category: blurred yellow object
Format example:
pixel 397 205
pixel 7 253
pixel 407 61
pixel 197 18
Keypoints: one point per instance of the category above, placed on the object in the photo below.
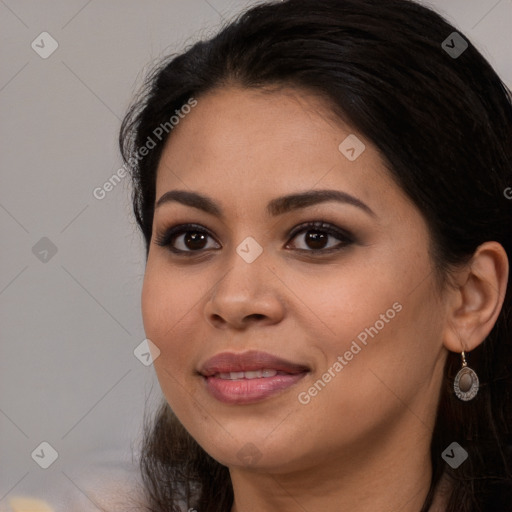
pixel 29 505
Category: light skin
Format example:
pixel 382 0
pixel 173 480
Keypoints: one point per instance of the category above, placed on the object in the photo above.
pixel 362 443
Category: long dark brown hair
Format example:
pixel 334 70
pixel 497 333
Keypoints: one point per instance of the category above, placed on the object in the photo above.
pixel 443 124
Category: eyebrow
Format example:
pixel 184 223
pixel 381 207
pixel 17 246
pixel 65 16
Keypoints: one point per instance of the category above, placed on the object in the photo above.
pixel 275 207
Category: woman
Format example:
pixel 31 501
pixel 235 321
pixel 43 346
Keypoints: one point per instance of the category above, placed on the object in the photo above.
pixel 322 189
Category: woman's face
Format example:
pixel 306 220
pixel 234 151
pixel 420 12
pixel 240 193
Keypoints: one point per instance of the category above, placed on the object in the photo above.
pixel 351 306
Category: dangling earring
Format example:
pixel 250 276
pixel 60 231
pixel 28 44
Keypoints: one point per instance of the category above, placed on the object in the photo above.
pixel 466 382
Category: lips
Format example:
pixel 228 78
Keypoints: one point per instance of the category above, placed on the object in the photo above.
pixel 249 377
pixel 230 362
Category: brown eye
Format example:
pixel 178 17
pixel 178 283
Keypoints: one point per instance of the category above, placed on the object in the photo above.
pixel 319 237
pixel 184 239
pixel 316 237
pixel 194 240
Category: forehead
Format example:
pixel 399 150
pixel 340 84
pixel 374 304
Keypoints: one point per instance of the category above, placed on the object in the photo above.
pixel 249 143
pixel 278 109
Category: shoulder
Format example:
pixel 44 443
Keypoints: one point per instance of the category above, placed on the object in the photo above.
pixel 107 488
pixel 108 483
pixel 110 487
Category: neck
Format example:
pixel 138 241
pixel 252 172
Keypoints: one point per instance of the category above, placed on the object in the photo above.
pixel 391 475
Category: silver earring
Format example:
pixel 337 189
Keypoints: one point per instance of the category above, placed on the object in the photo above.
pixel 466 382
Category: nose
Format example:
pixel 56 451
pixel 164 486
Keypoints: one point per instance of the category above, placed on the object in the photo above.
pixel 247 294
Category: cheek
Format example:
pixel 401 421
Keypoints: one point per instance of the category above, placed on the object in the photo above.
pixel 166 303
pixel 385 318
pixel 153 305
pixel 344 302
pixel 171 304
pixel 163 304
pixel 167 298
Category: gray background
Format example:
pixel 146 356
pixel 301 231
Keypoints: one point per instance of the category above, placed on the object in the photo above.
pixel 70 324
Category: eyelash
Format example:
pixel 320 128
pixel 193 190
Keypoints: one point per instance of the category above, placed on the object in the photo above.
pixel 165 238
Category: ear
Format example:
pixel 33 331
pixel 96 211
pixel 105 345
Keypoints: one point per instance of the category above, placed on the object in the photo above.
pixel 476 302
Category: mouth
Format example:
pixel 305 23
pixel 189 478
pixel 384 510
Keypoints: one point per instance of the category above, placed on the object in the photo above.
pixel 248 362
pixel 253 374
pixel 249 377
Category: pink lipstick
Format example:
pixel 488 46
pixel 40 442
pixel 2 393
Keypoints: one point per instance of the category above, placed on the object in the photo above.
pixel 249 377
